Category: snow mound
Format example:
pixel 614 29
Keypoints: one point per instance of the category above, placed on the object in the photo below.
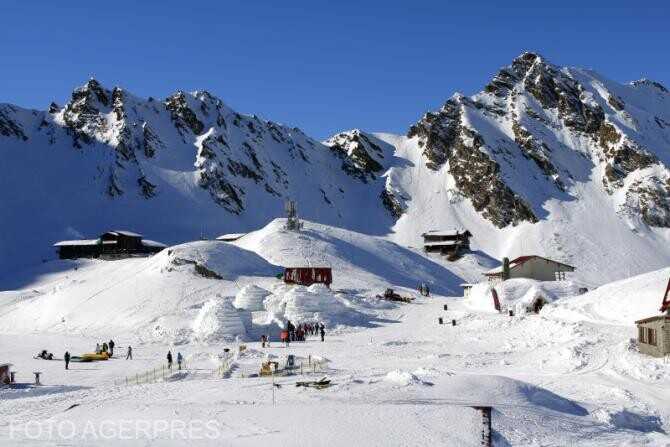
pixel 251 298
pixel 217 260
pixel 218 321
pixel 499 390
pixel 520 293
pixel 619 302
pixel 402 378
pixel 358 261
pixel 314 303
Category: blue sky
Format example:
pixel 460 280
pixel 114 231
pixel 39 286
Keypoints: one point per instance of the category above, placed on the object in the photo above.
pixel 321 66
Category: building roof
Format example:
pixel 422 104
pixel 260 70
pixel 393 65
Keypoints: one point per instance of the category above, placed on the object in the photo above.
pixel 230 236
pixel 446 232
pixel 516 262
pixel 654 318
pixel 5 364
pixel 77 242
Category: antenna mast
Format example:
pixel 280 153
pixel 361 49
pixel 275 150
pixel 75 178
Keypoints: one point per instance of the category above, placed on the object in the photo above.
pixel 292 221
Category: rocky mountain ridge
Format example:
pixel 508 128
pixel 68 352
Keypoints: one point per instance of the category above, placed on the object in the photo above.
pixel 540 112
pixel 537 134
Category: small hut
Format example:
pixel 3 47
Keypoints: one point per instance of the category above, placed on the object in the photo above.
pixel 307 276
pixel 532 267
pixel 653 335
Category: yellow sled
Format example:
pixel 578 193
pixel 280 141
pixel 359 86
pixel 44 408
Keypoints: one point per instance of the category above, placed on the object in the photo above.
pixel 88 357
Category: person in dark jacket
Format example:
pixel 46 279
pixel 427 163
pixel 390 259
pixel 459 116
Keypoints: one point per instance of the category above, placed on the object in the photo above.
pixel 323 331
pixel 105 348
pixel 180 359
pixel 129 355
pixel 111 348
pixel 169 359
pixel 66 357
pixel 291 330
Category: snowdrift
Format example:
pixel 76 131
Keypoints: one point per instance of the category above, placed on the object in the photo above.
pixel 518 294
pixel 157 297
pixel 620 302
pixel 499 390
pixel 218 260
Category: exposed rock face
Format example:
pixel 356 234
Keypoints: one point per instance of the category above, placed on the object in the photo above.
pixel 539 111
pixel 361 156
pixel 8 127
pixel 445 138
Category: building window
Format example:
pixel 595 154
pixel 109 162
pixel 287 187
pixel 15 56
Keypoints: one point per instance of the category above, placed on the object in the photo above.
pixel 651 336
pixel 641 334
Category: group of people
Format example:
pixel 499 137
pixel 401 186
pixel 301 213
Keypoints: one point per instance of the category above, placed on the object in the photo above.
pixel 180 359
pixel 107 348
pixel 423 289
pixel 301 331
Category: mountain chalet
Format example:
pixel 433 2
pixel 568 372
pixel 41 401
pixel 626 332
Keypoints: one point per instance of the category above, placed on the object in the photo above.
pixel 451 242
pixel 112 244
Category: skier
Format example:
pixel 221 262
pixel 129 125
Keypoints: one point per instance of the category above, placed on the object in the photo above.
pixel 130 353
pixel 169 359
pixel 323 331
pixel 111 348
pixel 67 359
pixel 179 359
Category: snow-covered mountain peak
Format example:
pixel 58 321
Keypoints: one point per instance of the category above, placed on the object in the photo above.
pixel 563 121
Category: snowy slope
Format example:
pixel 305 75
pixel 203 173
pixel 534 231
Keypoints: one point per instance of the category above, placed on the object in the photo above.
pixel 546 160
pixel 620 302
pixel 179 293
pixel 173 170
pixel 358 261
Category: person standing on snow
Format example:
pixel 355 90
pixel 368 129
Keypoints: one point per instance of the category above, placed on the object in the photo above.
pixel 111 348
pixel 105 348
pixel 97 348
pixel 291 330
pixel 323 331
pixel 66 357
pixel 130 353
pixel 179 359
pixel 169 359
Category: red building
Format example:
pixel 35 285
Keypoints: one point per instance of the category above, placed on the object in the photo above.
pixel 306 276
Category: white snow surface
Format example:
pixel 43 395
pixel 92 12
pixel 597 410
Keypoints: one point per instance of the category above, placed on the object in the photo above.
pixel 518 293
pixel 571 375
pixel 218 321
pixel 251 297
